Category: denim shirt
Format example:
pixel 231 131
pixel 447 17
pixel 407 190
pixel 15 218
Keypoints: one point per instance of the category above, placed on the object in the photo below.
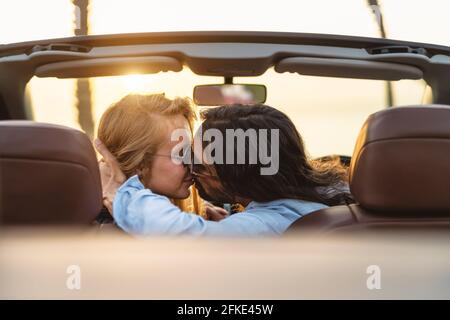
pixel 139 211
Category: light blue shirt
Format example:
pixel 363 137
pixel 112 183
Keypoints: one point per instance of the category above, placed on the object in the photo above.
pixel 139 211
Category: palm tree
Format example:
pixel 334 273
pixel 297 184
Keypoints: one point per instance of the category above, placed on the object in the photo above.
pixel 376 10
pixel 83 88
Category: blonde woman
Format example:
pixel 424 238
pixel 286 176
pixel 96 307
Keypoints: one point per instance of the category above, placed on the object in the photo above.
pixel 137 131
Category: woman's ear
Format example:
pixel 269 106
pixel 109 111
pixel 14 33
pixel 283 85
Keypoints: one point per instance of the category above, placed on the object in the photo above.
pixel 143 172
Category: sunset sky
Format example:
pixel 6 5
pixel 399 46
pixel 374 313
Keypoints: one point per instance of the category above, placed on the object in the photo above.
pixel 329 122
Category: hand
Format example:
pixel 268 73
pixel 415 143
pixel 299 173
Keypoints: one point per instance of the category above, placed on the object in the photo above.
pixel 110 174
pixel 214 213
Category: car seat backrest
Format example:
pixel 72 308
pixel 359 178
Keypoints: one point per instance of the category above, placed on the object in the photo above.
pixel 48 175
pixel 399 174
pixel 401 161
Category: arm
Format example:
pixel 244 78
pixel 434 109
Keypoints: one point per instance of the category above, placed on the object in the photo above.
pixel 140 211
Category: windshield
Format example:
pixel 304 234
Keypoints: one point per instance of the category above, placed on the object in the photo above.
pixel 413 20
pixel 328 112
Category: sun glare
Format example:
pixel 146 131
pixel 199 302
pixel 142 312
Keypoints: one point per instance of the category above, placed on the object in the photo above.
pixel 137 83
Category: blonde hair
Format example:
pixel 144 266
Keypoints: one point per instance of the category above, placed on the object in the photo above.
pixel 131 129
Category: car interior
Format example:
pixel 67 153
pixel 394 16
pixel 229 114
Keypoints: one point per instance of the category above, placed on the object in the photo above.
pixel 399 170
pixel 394 184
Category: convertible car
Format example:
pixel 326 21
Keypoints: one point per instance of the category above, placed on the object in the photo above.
pixel 50 191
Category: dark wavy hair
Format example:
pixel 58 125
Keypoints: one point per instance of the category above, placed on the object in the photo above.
pixel 297 177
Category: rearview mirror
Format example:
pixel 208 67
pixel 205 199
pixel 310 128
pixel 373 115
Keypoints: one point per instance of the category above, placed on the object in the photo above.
pixel 226 94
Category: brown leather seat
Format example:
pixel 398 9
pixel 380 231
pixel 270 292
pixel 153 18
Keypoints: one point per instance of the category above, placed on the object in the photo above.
pixel 399 174
pixel 48 175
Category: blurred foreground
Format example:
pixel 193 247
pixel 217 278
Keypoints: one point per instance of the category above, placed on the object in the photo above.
pixel 38 263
